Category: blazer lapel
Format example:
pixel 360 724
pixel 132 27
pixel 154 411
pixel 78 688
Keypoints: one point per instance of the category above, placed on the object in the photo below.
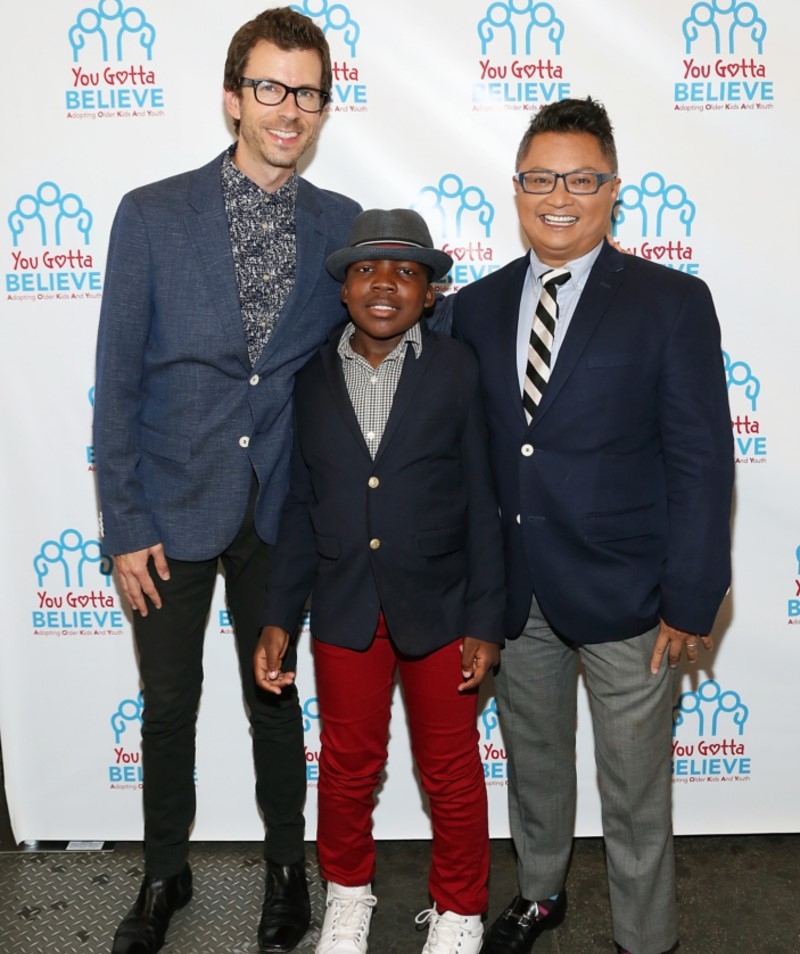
pixel 504 341
pixel 604 278
pixel 311 249
pixel 413 371
pixel 332 365
pixel 209 234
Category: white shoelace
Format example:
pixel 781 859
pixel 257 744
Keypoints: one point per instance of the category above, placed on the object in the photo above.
pixel 445 933
pixel 350 918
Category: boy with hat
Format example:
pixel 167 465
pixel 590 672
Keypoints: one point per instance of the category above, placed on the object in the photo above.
pixel 392 522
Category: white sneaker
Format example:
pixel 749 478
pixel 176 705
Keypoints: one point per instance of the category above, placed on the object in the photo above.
pixel 348 912
pixel 450 933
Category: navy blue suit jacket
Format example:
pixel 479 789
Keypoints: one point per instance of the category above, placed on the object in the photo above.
pixel 414 531
pixel 181 418
pixel 616 499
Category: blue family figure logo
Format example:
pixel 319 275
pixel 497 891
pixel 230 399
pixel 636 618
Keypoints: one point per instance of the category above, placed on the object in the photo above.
pixel 50 214
pixel 726 19
pixel 129 710
pixel 520 17
pixel 654 202
pixel 113 27
pixel 712 711
pixel 489 718
pixel 739 374
pixel 449 202
pixel 334 17
pixel 68 558
pixel 310 713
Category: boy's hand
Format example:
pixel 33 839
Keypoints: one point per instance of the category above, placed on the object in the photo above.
pixel 268 660
pixel 477 658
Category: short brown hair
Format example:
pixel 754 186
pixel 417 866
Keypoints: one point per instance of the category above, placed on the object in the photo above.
pixel 285 28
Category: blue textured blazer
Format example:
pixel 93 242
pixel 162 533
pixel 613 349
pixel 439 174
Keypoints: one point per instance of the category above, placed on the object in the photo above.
pixel 181 418
pixel 616 499
pixel 414 531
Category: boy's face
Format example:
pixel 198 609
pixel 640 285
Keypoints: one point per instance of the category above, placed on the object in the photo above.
pixel 385 298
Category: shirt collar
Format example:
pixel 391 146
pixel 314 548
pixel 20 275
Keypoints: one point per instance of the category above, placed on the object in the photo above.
pixel 413 337
pixel 578 268
pixel 234 181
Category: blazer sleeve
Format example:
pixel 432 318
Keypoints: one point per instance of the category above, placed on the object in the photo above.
pixel 122 338
pixel 697 443
pixel 483 612
pixel 295 558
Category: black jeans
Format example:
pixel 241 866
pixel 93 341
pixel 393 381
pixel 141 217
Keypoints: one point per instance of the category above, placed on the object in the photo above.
pixel 170 644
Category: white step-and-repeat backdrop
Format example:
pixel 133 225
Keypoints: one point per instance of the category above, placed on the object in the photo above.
pixel 430 100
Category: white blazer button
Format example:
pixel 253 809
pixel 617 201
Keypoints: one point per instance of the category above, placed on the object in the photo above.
pixel 374 482
pixel 374 544
pixel 519 519
pixel 527 450
pixel 254 380
pixel 244 442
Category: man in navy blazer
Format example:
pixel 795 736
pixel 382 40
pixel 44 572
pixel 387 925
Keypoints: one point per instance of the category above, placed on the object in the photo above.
pixel 614 481
pixel 216 294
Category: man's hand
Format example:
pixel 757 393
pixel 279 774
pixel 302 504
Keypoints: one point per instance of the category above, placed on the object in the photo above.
pixel 134 577
pixel 477 658
pixel 268 660
pixel 670 642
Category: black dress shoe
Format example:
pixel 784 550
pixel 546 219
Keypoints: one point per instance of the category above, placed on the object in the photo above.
pixel 515 931
pixel 287 909
pixel 143 928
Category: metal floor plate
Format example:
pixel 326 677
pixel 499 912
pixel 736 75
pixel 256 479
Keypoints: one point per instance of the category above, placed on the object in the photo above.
pixel 70 902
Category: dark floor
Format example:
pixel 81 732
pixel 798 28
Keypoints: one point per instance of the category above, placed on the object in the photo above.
pixel 737 894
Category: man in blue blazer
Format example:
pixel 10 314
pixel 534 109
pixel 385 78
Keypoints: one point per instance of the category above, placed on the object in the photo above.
pixel 216 294
pixel 613 462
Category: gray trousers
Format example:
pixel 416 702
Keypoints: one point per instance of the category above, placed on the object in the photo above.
pixel 632 718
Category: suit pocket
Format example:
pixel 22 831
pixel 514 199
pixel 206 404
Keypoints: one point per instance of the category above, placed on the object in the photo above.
pixel 329 547
pixel 621 524
pixel 437 542
pixel 170 446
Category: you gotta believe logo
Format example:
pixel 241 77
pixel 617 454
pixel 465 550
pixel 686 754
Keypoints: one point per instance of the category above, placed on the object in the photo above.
pixel 111 74
pixel 492 748
pixel 750 444
pixel 310 709
pixel 518 69
pixel 349 93
pixel 125 770
pixel 664 215
pixel 462 217
pixel 708 726
pixel 90 461
pixel 49 260
pixel 793 604
pixel 73 578
pixel 723 66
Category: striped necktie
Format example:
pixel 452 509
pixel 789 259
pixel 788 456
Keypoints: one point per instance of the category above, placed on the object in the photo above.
pixel 540 345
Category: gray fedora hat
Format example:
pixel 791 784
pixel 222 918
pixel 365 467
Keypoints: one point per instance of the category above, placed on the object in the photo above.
pixel 398 234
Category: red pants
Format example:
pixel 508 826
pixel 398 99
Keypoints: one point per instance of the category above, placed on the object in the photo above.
pixel 354 690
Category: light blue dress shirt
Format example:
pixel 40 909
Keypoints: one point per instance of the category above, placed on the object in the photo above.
pixel 568 296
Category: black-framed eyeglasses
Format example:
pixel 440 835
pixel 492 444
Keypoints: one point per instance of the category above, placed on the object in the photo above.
pixel 271 93
pixel 542 181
